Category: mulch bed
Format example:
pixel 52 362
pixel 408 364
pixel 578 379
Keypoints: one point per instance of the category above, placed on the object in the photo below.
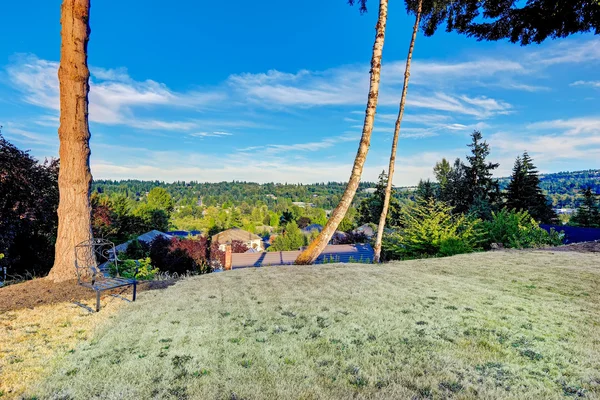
pixel 42 291
pixel 586 247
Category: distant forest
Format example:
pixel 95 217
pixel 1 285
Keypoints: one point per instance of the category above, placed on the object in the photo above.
pixel 564 189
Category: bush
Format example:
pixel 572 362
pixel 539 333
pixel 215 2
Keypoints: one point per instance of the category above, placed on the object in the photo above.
pixel 430 229
pixel 137 249
pixel 127 269
pixel 180 255
pixel 28 219
pixel 291 239
pixel 518 230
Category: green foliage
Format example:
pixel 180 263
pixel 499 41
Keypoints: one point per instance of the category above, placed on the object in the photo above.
pixel 291 239
pixel 127 269
pixel 137 249
pixel 159 198
pixel 517 229
pixel 524 192
pixel 28 204
pixel 369 210
pixel 442 171
pixel 588 214
pixel 429 228
pixel 150 218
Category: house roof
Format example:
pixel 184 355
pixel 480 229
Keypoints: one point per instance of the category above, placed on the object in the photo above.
pixel 313 227
pixel 226 237
pixel 366 229
pixel 147 237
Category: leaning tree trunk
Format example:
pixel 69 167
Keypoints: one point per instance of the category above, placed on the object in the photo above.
pixel 388 189
pixel 317 246
pixel 74 178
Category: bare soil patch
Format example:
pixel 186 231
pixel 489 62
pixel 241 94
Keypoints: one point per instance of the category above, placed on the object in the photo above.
pixel 38 292
pixel 587 247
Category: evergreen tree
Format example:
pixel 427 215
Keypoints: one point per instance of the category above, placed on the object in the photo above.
pixel 524 192
pixel 588 214
pixel 480 187
pixel 442 171
pixel 426 190
pixel 453 192
pixel 370 208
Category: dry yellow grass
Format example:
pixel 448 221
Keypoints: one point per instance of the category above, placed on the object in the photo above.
pixel 32 339
pixel 505 325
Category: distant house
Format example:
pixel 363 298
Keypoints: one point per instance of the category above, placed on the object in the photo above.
pixel 366 230
pixel 302 204
pixel 147 238
pixel 249 239
pixel 311 228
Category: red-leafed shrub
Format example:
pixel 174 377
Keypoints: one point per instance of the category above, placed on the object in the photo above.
pixel 237 246
pixel 180 255
pixel 217 257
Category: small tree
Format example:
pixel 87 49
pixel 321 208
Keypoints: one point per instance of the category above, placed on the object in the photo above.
pixel 159 198
pixel 588 213
pixel 291 239
pixel 429 228
pixel 369 209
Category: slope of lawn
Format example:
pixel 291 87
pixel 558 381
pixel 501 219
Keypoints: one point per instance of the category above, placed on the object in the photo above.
pixel 490 325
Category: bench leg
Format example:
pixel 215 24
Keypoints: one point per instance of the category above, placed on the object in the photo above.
pixel 134 290
pixel 97 301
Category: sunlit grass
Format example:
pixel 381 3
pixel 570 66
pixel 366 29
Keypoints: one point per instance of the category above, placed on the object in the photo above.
pixel 491 325
pixel 31 338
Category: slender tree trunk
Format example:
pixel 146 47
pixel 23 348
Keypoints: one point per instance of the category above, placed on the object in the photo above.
pixel 388 189
pixel 74 178
pixel 316 247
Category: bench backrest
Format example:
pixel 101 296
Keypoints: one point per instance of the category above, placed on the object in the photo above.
pixel 92 259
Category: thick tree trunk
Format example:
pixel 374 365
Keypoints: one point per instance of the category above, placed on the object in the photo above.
pixel 388 189
pixel 315 248
pixel 75 178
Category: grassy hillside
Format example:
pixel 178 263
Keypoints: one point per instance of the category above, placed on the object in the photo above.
pixel 491 325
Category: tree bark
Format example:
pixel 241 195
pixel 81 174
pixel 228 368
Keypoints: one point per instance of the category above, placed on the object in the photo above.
pixel 388 189
pixel 74 178
pixel 317 246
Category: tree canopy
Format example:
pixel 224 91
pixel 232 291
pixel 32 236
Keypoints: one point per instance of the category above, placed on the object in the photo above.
pixel 524 22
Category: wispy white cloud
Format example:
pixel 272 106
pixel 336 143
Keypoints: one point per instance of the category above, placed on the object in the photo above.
pixel 307 146
pixel 594 84
pixel 210 134
pixel 573 126
pixel 113 94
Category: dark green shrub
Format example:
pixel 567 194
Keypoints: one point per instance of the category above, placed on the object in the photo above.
pixel 137 249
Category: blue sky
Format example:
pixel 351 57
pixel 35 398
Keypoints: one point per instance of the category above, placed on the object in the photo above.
pixel 276 91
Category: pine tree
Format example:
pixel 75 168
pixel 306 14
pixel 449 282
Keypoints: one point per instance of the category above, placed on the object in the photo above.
pixel 441 171
pixel 426 190
pixel 588 214
pixel 481 188
pixel 369 210
pixel 524 192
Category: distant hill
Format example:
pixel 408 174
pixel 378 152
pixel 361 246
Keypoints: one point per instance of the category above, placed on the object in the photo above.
pixel 563 188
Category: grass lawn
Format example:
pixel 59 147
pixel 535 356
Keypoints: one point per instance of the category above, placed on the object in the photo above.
pixel 489 325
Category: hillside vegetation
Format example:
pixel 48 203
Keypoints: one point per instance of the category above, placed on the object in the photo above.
pixel 487 325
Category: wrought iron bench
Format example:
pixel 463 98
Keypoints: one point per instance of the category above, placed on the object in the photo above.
pixel 92 261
